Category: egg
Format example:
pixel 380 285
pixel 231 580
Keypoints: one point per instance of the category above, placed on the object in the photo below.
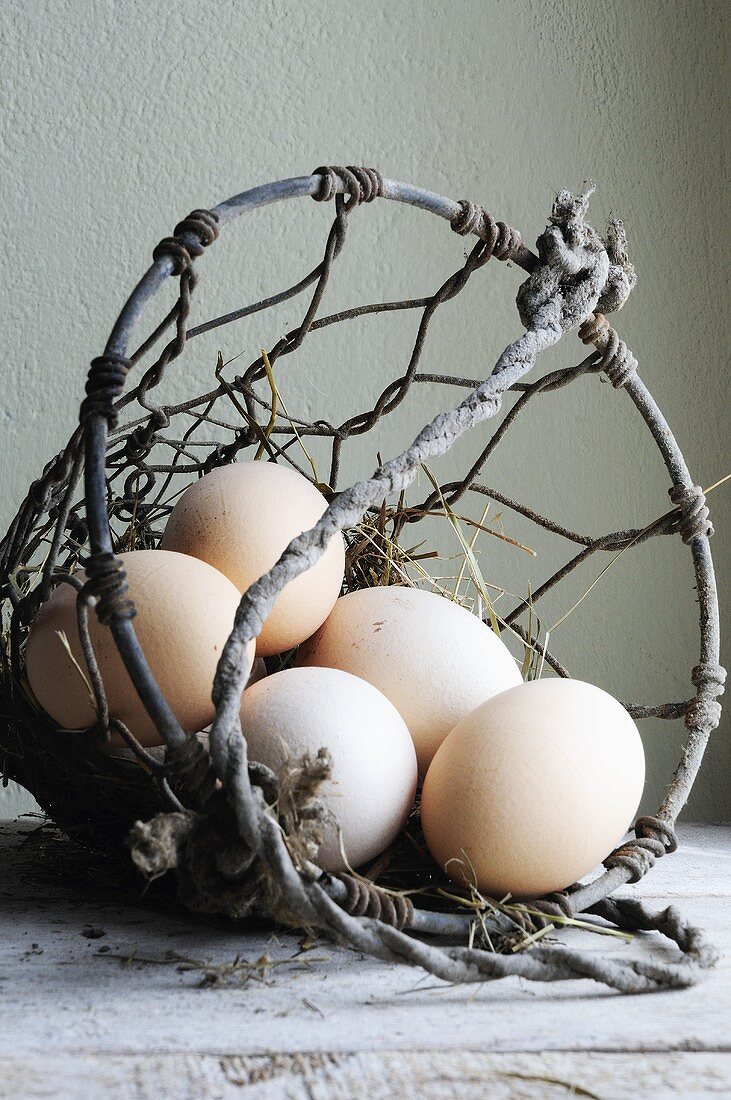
pixel 433 659
pixel 533 789
pixel 185 612
pixel 239 519
pixel 371 790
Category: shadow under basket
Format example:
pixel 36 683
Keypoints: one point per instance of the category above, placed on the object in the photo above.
pixel 221 829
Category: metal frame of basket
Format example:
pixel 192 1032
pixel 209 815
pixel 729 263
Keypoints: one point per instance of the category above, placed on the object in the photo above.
pixel 229 849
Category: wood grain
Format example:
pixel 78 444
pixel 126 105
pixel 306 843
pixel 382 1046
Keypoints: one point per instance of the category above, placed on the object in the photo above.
pixel 407 1075
pixel 96 1000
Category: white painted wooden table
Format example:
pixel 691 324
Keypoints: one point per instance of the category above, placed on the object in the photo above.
pixel 96 1002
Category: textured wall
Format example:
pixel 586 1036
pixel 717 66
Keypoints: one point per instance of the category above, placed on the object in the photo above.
pixel 119 117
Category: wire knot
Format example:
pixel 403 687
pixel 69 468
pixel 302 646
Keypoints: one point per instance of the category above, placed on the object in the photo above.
pixel 203 223
pixel 694 520
pixel 361 184
pixel 104 384
pixel 558 904
pixel 365 899
pixel 616 360
pixel 107 581
pixel 200 229
pixel 501 239
pixel 141 439
pixel 704 710
pixel 653 838
pixel 651 827
pixel 565 288
pixel 189 766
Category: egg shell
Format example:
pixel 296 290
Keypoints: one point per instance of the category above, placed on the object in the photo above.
pixel 185 612
pixel 534 788
pixel 371 790
pixel 239 519
pixel 433 659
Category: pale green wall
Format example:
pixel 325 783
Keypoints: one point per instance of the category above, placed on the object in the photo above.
pixel 118 117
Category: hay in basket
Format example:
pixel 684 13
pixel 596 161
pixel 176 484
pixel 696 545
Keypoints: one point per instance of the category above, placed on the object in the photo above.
pixel 239 840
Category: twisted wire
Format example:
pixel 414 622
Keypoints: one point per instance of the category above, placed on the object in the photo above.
pixel 394 394
pixel 615 358
pixel 107 582
pixel 704 711
pixel 201 229
pixel 501 239
pixel 540 913
pixel 631 914
pixel 293 339
pixel 653 838
pixel 361 184
pixel 104 384
pixel 194 779
pixel 694 521
pixel 365 899
pixel 556 904
pixel 204 224
pixel 191 237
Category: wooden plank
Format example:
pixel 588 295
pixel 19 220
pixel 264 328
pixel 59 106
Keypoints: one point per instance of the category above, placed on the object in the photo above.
pixel 422 1075
pixel 701 866
pixel 65 993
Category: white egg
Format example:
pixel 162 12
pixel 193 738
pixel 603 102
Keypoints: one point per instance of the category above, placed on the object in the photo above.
pixel 534 788
pixel 433 659
pixel 371 790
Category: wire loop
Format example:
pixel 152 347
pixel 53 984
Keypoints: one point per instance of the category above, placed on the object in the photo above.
pixel 694 521
pixel 501 239
pixel 105 383
pixel 361 184
pixel 201 229
pixel 365 899
pixel 615 358
pixel 107 582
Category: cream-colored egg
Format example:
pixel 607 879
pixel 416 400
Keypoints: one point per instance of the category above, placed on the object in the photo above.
pixel 240 518
pixel 534 788
pixel 185 612
pixel 373 782
pixel 432 658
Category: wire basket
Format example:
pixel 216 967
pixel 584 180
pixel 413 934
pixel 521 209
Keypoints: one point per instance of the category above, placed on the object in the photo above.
pixel 200 806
